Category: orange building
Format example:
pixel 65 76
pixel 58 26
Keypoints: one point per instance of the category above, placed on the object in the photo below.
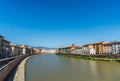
pixel 98 47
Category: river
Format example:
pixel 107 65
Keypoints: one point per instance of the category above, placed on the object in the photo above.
pixel 52 67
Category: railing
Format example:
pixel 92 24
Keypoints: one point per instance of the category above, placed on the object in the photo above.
pixel 6 69
pixel 6 59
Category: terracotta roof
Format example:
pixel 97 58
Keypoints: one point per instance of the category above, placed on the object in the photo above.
pixel 22 46
pixel 99 42
pixel 107 43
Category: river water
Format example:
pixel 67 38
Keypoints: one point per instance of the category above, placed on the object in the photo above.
pixel 58 68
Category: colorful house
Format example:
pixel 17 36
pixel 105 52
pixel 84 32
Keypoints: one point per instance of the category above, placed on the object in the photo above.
pixel 107 48
pixel 88 49
pixel 68 50
pixel 77 50
pixel 98 47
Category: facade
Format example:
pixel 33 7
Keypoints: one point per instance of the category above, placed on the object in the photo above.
pixel 107 48
pixel 64 50
pixel 15 50
pixel 26 50
pixel 23 47
pixel 68 50
pixel 116 48
pixel 46 51
pixel 88 49
pixel 98 47
pixel 1 46
pixel 36 50
pixel 78 50
pixel 92 51
pixel 85 50
pixel 29 50
pixel 5 48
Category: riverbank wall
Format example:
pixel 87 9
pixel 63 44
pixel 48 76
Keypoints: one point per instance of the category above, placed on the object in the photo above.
pixel 7 69
pixel 102 57
pixel 20 73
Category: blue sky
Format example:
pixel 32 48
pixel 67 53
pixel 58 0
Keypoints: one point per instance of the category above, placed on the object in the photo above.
pixel 55 23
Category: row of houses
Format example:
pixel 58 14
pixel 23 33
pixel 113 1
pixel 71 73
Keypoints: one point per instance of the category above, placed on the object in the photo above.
pixel 94 48
pixel 8 50
pixel 44 51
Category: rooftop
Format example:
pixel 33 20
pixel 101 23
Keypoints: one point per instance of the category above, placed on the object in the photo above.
pixel 1 36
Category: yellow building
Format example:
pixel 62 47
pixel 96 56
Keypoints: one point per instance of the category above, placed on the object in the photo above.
pixel 98 47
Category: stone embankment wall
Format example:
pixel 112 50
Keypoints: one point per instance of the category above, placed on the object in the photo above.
pixel 20 73
pixel 6 70
pixel 110 56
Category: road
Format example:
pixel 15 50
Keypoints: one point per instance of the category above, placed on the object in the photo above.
pixel 5 61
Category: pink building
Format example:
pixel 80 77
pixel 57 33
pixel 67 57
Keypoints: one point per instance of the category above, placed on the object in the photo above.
pixel 107 48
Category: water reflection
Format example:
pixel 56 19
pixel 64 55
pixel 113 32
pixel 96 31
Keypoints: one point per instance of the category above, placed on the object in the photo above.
pixel 56 68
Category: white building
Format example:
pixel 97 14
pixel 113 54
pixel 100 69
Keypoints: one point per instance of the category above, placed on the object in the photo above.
pixel 46 51
pixel 92 51
pixel 116 48
pixel 85 50
pixel 88 50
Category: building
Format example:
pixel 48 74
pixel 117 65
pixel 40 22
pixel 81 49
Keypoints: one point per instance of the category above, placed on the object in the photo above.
pixel 68 50
pixel 1 46
pixel 4 48
pixel 88 49
pixel 98 47
pixel 48 51
pixel 26 49
pixel 85 50
pixel 107 48
pixel 77 50
pixel 116 48
pixel 23 47
pixel 36 50
pixel 64 50
pixel 15 50
pixel 29 50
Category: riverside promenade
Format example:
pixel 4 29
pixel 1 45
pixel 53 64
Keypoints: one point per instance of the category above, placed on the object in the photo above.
pixel 6 70
pixel 20 73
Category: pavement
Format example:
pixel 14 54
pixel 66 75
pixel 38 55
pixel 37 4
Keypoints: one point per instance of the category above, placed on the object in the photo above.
pixel 20 72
